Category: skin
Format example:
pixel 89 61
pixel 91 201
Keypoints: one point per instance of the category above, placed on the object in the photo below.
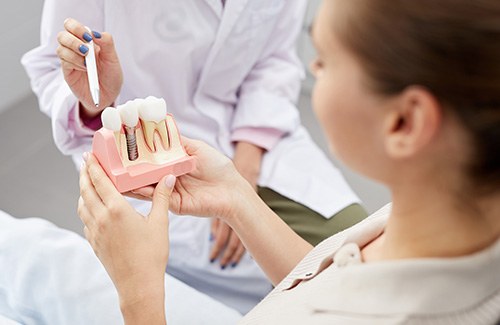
pixel 412 147
pixel 227 247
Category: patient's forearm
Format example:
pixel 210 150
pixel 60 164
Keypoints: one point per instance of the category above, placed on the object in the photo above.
pixel 144 304
pixel 271 242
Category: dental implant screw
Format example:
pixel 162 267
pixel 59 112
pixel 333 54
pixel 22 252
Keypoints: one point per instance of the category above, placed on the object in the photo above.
pixel 131 143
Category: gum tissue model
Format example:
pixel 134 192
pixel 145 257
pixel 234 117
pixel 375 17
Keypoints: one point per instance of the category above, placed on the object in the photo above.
pixel 139 143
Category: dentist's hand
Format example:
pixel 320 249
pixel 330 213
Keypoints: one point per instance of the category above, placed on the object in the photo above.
pixel 72 50
pixel 134 249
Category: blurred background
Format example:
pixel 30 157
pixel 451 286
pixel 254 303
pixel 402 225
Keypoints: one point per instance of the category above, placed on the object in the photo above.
pixel 36 180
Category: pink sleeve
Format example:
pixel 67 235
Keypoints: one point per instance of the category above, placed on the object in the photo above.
pixel 265 138
pixel 83 127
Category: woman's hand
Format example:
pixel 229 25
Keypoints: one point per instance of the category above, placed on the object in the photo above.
pixel 72 50
pixel 227 245
pixel 134 249
pixel 213 189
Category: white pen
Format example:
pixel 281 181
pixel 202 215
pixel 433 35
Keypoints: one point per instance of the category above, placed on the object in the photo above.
pixel 90 61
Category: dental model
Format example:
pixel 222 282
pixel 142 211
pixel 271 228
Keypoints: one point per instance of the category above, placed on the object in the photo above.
pixel 112 121
pixel 130 117
pixel 153 112
pixel 139 144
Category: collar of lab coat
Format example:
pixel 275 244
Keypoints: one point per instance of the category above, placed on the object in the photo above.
pixel 229 16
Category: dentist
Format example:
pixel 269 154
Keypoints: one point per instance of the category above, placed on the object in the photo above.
pixel 230 75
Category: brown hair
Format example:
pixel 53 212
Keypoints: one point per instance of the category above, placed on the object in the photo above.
pixel 451 47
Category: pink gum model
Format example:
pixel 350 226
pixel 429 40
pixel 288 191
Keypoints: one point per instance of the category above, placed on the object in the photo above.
pixel 110 150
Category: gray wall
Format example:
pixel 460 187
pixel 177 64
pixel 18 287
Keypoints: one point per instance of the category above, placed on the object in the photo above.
pixel 19 32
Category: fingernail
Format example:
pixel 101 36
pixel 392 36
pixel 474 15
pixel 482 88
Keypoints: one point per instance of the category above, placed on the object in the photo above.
pixel 234 265
pixel 83 49
pixel 211 238
pixel 170 181
pixel 85 156
pixel 212 260
pixel 87 37
pixel 222 267
pixel 96 34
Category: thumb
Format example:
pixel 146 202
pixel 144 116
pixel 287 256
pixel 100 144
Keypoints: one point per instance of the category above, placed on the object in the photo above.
pixel 161 197
pixel 107 46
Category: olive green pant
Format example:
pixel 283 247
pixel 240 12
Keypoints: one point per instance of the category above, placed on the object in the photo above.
pixel 307 223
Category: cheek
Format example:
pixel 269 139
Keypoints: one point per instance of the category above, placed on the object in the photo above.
pixel 329 108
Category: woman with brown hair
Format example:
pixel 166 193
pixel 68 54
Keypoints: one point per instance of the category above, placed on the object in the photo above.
pixel 408 93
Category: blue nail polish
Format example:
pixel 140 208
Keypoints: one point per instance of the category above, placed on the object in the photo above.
pixel 87 37
pixel 211 238
pixel 234 265
pixel 83 49
pixel 212 260
pixel 222 267
pixel 96 34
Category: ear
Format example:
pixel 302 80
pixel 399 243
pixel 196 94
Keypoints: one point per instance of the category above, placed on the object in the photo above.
pixel 413 123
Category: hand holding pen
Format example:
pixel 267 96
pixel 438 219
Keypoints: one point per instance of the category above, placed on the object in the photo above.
pixel 75 43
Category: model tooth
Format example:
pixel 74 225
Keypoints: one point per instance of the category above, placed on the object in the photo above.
pixel 153 109
pixel 129 113
pixel 111 119
pixel 153 113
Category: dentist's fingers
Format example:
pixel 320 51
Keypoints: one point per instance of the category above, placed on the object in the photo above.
pixel 106 46
pixel 77 29
pixel 232 247
pixel 214 225
pixel 107 192
pixel 67 55
pixel 237 256
pixel 68 67
pixel 221 238
pixel 73 43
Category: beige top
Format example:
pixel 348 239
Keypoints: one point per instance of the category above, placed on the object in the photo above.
pixel 332 286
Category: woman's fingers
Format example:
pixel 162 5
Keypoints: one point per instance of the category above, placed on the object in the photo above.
pixel 161 198
pixel 143 193
pixel 84 214
pixel 88 193
pixel 102 184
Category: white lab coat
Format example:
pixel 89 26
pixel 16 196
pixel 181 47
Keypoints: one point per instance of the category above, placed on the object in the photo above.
pixel 220 70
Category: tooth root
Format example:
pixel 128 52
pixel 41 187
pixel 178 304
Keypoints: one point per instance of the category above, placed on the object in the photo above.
pixel 175 140
pixel 148 128
pixel 162 130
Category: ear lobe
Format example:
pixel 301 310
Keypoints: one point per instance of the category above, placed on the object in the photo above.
pixel 413 124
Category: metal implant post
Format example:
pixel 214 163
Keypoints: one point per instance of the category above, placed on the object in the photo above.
pixel 131 143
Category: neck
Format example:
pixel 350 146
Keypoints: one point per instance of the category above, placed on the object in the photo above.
pixel 432 222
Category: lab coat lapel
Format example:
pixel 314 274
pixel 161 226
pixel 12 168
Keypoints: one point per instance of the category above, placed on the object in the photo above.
pixel 232 12
pixel 216 6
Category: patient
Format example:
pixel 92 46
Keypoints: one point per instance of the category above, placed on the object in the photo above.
pixel 408 93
